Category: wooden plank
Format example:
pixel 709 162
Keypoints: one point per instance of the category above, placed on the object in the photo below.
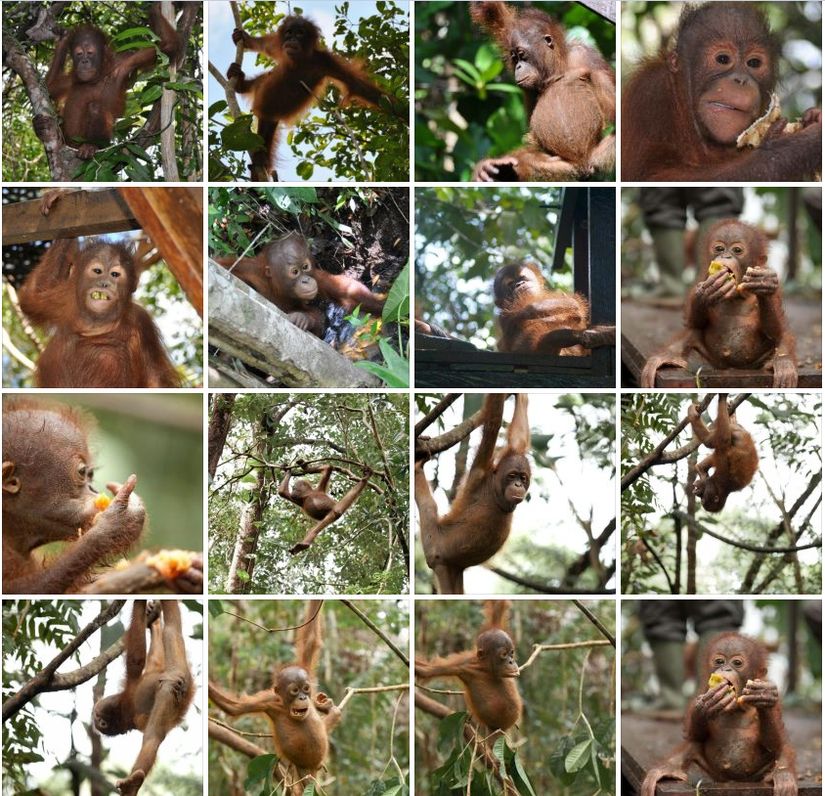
pixel 76 213
pixel 646 741
pixel 244 324
pixel 473 368
pixel 173 220
pixel 646 327
pixel 564 227
pixel 601 229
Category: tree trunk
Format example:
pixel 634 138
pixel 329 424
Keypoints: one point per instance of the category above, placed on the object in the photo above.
pixel 243 560
pixel 219 423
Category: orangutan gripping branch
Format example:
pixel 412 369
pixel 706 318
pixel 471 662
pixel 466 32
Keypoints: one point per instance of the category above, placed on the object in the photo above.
pixel 733 729
pixel 301 717
pixel 157 691
pixel 92 94
pixel 300 77
pixel 479 520
pixel 316 503
pixel 487 673
pixel 733 315
pixel 734 460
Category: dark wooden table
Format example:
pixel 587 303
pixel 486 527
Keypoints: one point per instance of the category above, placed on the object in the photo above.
pixel 646 741
pixel 647 327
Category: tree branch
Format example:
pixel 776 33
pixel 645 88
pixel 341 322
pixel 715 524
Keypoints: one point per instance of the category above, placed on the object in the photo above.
pixel 43 678
pixel 542 588
pixel 377 630
pixel 62 159
pixel 595 621
pixel 656 456
pixel 753 548
pixel 574 645
pixel 436 412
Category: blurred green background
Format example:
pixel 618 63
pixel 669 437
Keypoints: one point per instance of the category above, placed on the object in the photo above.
pixel 158 437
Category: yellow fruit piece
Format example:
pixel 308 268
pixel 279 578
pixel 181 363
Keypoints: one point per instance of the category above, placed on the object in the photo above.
pixel 715 267
pixel 102 502
pixel 715 679
pixel 170 563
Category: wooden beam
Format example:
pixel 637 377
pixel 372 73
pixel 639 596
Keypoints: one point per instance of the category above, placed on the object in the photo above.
pixel 76 213
pixel 173 220
pixel 244 324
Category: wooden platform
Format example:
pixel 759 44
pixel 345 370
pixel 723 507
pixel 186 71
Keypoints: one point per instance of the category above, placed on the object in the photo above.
pixel 455 364
pixel 645 328
pixel 646 741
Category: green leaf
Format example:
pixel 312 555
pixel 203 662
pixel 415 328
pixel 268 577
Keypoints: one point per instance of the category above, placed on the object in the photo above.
pixel 259 769
pixel 238 135
pixel 304 169
pixel 578 757
pixel 151 95
pixel 397 306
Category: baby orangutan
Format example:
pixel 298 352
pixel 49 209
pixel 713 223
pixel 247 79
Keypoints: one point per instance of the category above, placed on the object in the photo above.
pixel 487 673
pixel 317 504
pixel 301 717
pixel 157 691
pixel 734 459
pixel 733 729
pixel 481 515
pixel 733 315
pixel 535 320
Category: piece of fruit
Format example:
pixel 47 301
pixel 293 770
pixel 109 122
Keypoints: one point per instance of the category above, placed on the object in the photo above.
pixel 171 563
pixel 715 267
pixel 102 502
pixel 715 679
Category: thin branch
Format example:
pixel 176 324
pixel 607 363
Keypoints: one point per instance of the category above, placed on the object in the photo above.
pixel 595 620
pixel 542 588
pixel 377 630
pixel 350 692
pixel 220 733
pixel 753 548
pixel 539 648
pixel 445 403
pixel 278 629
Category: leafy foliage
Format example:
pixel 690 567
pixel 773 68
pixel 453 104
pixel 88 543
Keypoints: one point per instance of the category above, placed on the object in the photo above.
pixel 568 697
pixel 371 744
pixel 348 142
pixel 359 554
pixel 467 106
pixel 131 156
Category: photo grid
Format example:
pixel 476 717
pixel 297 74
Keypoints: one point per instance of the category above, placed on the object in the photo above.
pixel 412 397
